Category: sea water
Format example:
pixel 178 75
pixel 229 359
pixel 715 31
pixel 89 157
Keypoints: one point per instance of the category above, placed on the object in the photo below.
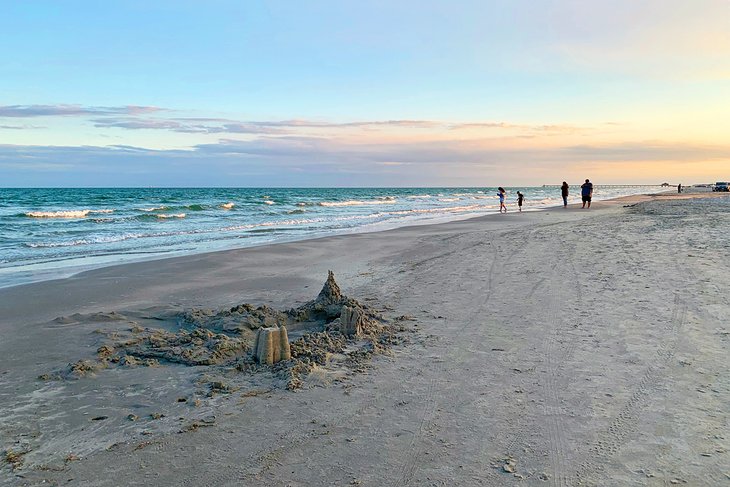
pixel 46 233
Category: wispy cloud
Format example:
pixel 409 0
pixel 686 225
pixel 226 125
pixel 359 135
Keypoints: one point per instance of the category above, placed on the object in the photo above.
pixel 556 129
pixel 21 127
pixel 134 117
pixel 25 111
pixel 184 126
pixel 222 125
pixel 312 161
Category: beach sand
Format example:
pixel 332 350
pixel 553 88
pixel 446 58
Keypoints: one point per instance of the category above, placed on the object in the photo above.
pixel 560 347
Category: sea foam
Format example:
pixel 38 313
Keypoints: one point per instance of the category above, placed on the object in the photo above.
pixel 64 213
pixel 171 215
pixel 386 200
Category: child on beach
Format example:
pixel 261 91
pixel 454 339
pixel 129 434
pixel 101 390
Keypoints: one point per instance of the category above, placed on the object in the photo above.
pixel 520 199
pixel 501 195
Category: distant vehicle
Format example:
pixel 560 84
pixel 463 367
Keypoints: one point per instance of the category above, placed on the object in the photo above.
pixel 721 186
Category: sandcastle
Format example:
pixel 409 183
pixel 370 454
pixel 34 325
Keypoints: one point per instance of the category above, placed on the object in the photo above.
pixel 272 345
pixel 352 320
pixel 208 337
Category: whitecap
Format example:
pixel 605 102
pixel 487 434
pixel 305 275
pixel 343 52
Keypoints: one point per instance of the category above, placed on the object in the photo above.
pixel 357 202
pixel 87 241
pixel 58 214
pixel 171 215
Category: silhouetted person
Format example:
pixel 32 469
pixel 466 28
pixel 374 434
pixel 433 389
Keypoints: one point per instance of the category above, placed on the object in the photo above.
pixel 520 199
pixel 586 193
pixel 679 188
pixel 564 192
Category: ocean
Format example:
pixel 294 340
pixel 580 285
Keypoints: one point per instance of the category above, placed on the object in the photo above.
pixel 49 233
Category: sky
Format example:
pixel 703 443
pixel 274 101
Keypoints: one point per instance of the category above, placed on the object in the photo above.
pixel 352 93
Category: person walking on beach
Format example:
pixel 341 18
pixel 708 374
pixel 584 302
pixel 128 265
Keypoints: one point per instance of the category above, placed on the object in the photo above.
pixel 586 192
pixel 501 195
pixel 679 188
pixel 520 199
pixel 564 192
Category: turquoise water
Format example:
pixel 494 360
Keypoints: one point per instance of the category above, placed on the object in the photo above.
pixel 46 233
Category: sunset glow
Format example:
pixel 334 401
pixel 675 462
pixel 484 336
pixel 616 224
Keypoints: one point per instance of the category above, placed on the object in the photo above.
pixel 331 93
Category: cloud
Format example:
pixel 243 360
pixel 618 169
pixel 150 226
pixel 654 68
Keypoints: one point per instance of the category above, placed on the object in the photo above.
pixel 297 126
pixel 317 161
pixel 21 127
pixel 133 117
pixel 26 111
pixel 180 125
pixel 553 129
pixel 665 39
pixel 222 125
pixel 137 123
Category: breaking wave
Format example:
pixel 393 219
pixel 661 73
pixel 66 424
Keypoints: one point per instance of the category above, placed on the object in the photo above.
pixel 64 213
pixel 384 201
pixel 171 215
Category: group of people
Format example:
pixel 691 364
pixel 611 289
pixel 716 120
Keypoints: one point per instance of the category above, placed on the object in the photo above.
pixel 586 193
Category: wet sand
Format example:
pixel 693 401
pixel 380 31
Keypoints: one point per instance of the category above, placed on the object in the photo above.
pixel 562 347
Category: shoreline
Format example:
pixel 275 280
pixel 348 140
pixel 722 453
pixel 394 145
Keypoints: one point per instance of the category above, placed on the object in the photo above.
pixel 53 273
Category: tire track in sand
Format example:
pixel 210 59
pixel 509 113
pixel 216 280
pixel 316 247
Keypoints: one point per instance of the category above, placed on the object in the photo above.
pixel 556 356
pixel 625 423
pixel 457 353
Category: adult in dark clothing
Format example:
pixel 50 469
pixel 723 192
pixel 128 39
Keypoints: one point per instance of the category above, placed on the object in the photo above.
pixel 564 192
pixel 520 199
pixel 586 193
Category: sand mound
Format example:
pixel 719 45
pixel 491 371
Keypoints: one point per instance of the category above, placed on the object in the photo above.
pixel 331 324
pixel 196 347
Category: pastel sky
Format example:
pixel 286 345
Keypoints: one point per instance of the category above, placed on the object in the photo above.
pixel 364 93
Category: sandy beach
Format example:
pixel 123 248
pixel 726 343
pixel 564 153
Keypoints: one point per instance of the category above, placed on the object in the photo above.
pixel 560 347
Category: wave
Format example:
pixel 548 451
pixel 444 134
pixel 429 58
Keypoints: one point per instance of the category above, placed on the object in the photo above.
pixel 449 200
pixel 64 213
pixel 86 241
pixel 171 215
pixel 251 226
pixel 193 207
pixel 268 202
pixel 448 209
pixel 154 208
pixel 269 226
pixel 385 200
pixel 419 196
pixel 158 216
pixel 296 212
pixel 228 205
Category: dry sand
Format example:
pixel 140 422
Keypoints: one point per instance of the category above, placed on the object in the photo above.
pixel 562 347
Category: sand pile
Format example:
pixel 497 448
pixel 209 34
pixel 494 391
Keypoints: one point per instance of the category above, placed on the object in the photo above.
pixel 330 325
